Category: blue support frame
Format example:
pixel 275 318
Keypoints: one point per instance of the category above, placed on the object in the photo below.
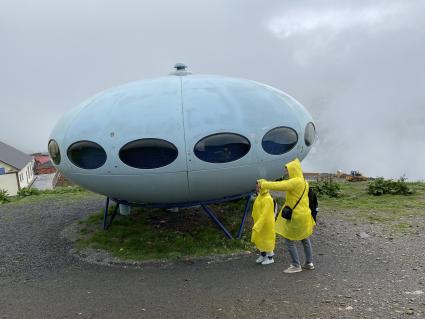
pixel 216 221
pixel 106 224
pixel 247 204
pixel 105 215
pixel 204 206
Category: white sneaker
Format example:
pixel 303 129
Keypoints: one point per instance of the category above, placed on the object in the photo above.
pixel 308 266
pixel 292 269
pixel 260 259
pixel 268 261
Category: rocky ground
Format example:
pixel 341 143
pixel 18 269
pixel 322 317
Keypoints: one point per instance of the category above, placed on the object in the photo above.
pixel 361 272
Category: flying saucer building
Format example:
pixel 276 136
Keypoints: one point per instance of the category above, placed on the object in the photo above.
pixel 181 138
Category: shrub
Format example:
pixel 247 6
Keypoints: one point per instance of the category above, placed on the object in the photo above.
pixel 327 187
pixel 4 196
pixel 378 187
pixel 24 192
pixel 381 186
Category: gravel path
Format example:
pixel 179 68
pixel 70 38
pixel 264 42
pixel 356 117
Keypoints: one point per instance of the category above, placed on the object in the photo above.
pixel 360 273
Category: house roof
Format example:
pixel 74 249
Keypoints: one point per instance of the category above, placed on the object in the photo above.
pixel 13 157
pixel 44 165
pixel 42 159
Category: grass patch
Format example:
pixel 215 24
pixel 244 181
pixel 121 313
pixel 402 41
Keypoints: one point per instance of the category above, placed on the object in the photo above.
pixel 401 227
pixel 355 204
pixel 160 234
pixel 26 195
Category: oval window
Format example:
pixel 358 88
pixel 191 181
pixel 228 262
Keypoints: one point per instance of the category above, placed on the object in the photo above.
pixel 279 140
pixel 222 148
pixel 148 153
pixel 309 134
pixel 54 152
pixel 86 154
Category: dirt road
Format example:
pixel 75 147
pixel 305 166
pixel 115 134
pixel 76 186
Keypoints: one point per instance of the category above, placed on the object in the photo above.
pixel 360 273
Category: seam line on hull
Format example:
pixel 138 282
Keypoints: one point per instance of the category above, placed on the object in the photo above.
pixel 184 135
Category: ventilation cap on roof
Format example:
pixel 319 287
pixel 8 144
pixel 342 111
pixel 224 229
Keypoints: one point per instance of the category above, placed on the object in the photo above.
pixel 180 70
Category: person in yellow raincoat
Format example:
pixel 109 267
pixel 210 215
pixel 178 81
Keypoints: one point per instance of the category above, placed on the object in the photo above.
pixel 263 233
pixel 301 224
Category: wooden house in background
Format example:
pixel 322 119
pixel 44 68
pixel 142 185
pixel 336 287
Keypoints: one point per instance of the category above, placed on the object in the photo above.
pixel 16 169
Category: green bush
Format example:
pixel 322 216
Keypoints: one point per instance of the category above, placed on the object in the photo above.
pixel 24 192
pixel 381 186
pixel 4 196
pixel 327 187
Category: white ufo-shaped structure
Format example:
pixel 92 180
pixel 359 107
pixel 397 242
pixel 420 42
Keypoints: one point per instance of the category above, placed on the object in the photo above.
pixel 181 138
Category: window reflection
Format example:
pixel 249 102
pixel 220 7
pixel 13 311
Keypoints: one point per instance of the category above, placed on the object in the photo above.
pixel 87 155
pixel 222 148
pixel 309 134
pixel 54 152
pixel 148 153
pixel 279 140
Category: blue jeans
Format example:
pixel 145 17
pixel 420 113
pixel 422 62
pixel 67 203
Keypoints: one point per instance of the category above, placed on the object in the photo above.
pixel 293 252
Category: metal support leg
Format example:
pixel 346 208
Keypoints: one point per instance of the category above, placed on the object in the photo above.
pixel 247 204
pixel 107 224
pixel 216 221
pixel 113 215
pixel 105 215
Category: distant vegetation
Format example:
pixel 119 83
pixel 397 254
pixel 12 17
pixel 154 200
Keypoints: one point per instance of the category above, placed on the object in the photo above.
pixel 24 192
pixel 324 188
pixel 4 197
pixel 327 187
pixel 381 186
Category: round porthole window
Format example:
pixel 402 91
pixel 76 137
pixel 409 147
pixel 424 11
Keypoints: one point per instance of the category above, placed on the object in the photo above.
pixel 86 154
pixel 148 153
pixel 309 134
pixel 222 148
pixel 54 152
pixel 279 140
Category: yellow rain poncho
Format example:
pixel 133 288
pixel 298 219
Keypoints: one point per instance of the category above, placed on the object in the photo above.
pixel 301 224
pixel 263 233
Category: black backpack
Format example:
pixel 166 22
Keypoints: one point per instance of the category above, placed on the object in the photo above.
pixel 312 203
pixel 275 208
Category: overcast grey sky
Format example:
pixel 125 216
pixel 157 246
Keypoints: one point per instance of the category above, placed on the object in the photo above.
pixel 358 66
